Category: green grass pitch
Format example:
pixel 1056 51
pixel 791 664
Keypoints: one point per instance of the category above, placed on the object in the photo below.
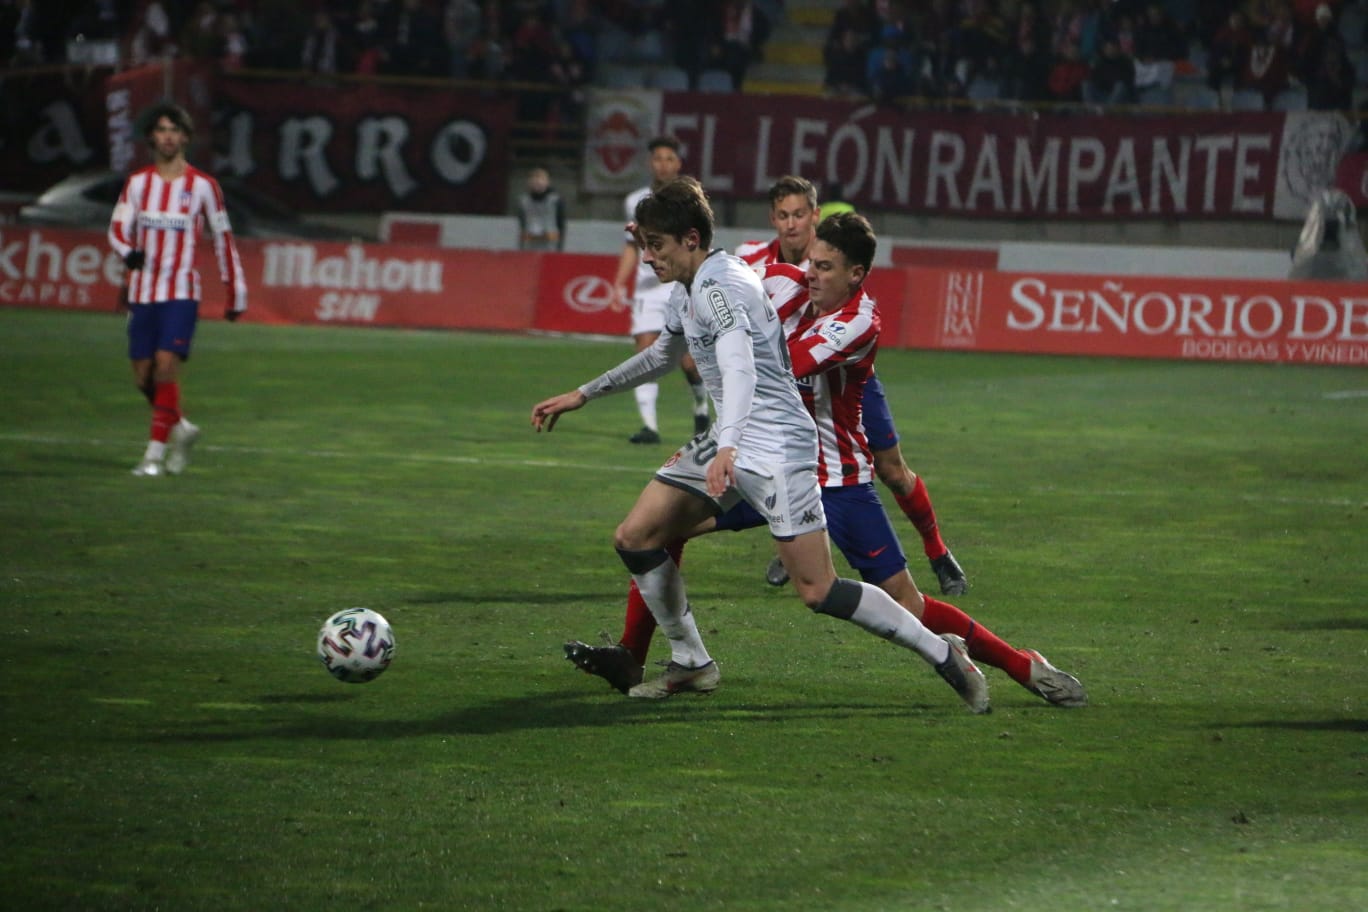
pixel 1190 539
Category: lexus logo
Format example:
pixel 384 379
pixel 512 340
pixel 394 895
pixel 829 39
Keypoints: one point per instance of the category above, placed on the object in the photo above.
pixel 588 294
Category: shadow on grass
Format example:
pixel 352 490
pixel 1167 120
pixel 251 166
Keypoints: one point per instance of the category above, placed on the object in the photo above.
pixel 533 711
pixel 1330 725
pixel 467 600
pixel 1340 623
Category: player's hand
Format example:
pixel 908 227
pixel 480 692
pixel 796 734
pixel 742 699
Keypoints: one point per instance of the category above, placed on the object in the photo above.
pixel 722 472
pixel 545 413
pixel 135 259
pixel 622 298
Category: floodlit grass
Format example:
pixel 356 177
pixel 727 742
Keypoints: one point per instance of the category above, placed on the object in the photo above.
pixel 1190 539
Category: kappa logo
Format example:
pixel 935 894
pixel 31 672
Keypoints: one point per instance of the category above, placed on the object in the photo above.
pixel 588 294
pixel 809 516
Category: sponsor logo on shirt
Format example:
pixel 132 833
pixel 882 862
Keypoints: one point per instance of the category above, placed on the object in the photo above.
pixel 833 332
pixel 164 221
pixel 721 308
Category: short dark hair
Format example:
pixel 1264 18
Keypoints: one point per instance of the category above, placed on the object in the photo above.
pixel 850 233
pixel 664 141
pixel 793 185
pixel 172 112
pixel 676 207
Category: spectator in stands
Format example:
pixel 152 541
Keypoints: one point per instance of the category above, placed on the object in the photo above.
pixel 579 28
pixel 366 39
pixel 461 27
pixel 1324 66
pixel 744 32
pixel 1112 77
pixel 200 38
pixel 320 51
pixel 412 45
pixel 979 43
pixel 1316 41
pixel 151 34
pixel 845 57
pixel 541 214
pixel 1068 74
pixel 1266 68
pixel 489 55
pixel 892 68
pixel 278 34
pixel 1026 72
pixel 1229 51
pixel 233 44
pixel 1157 36
pixel 1079 23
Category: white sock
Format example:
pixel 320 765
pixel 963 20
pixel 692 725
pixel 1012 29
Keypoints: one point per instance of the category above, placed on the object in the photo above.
pixel 646 396
pixel 663 589
pixel 878 613
pixel 700 396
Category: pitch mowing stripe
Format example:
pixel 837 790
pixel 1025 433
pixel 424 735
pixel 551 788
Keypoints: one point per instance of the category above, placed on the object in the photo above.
pixel 429 459
pixel 1346 394
pixel 96 442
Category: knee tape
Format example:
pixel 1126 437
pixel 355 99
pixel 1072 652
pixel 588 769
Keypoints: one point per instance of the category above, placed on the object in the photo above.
pixel 841 599
pixel 641 562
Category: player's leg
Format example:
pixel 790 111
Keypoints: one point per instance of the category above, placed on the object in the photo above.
pixel 801 538
pixel 860 529
pixel 664 514
pixel 909 491
pixel 144 344
pixel 648 320
pixel 177 334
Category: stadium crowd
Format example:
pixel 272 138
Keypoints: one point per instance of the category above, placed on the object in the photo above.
pixel 1099 51
pixel 1243 53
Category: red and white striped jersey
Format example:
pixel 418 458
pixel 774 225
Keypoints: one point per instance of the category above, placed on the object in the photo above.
pixel 164 219
pixel 833 358
pixel 759 254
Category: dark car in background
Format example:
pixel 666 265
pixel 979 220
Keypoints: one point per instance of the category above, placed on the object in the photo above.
pixel 87 201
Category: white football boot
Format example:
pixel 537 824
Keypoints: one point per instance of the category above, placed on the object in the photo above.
pixel 183 437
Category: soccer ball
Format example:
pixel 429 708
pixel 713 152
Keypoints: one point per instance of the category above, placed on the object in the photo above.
pixel 356 645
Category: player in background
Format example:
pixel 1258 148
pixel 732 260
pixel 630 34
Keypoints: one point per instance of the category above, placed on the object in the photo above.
pixel 156 222
pixel 832 326
pixel 647 297
pixel 794 213
pixel 762 449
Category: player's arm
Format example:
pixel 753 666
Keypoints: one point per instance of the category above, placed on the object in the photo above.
pixel 736 361
pixel 834 342
pixel 123 228
pixel 560 222
pixel 656 360
pixel 627 264
pixel 230 263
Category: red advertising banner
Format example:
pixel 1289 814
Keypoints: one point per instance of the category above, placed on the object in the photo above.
pixel 1136 317
pixel 292 282
pixel 361 146
pixel 1003 165
pixel 576 295
pixel 305 282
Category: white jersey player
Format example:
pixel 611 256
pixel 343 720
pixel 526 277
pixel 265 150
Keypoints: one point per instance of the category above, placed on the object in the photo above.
pixel 638 288
pixel 763 451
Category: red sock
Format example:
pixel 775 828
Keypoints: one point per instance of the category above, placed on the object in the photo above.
pixel 917 507
pixel 165 410
pixel 984 645
pixel 640 625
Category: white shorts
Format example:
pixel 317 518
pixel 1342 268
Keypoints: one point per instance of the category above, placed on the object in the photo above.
pixel 648 314
pixel 786 494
